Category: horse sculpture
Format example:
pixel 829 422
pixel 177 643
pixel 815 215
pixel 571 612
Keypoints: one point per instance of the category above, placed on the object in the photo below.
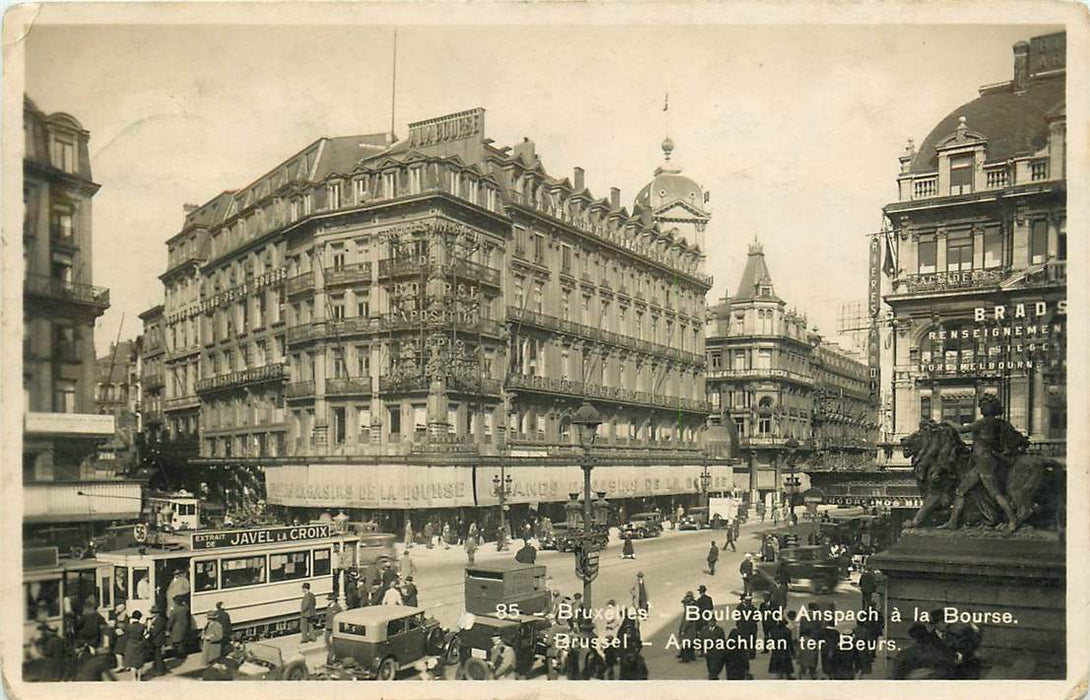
pixel 997 484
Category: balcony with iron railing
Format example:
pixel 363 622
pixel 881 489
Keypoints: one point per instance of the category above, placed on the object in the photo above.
pixel 573 388
pixel 152 380
pixel 389 268
pixel 347 386
pixel 546 321
pixel 389 384
pixel 300 284
pixel 444 320
pixel 296 390
pixel 951 281
pixel 61 290
pixel 760 373
pixel 241 378
pixel 354 273
pixel 179 403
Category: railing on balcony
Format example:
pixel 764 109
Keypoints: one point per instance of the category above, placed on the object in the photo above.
pixel 943 281
pixel 151 380
pixel 300 283
pixel 1038 169
pixel 242 377
pixel 297 390
pixel 470 324
pixel 759 373
pixel 388 384
pixel 924 187
pixel 304 331
pixel 348 326
pixel 619 394
pixel 50 287
pixel 348 385
pixel 348 274
pixel 177 403
pixel 996 177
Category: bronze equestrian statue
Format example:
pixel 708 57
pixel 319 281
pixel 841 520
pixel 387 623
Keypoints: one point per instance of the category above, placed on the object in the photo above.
pixel 1002 485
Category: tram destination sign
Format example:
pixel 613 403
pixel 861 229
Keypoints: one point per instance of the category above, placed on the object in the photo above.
pixel 262 535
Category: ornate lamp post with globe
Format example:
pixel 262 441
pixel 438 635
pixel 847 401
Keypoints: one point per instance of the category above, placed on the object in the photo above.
pixel 586 421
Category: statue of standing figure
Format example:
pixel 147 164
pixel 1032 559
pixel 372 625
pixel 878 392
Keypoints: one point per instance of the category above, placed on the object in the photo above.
pixel 996 475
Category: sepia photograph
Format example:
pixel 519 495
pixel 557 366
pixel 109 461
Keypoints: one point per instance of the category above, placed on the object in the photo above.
pixel 514 342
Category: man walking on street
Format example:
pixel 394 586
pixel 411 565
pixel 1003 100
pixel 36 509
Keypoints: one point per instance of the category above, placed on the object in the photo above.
pixel 730 537
pixel 713 557
pixel 179 627
pixel 746 569
pixel 409 593
pixel 716 655
pixel 406 567
pixel 307 611
pixel 331 611
pixel 639 593
pixel 868 584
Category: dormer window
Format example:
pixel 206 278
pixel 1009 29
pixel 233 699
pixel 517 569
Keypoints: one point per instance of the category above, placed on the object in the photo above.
pixel 389 184
pixel 961 174
pixel 333 195
pixel 64 155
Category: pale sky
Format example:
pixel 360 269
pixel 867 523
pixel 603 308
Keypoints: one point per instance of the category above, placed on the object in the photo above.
pixel 794 130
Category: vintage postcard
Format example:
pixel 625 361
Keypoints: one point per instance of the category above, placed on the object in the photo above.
pixel 532 343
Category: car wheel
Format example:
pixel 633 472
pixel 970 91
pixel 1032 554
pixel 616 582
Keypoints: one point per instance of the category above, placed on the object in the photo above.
pixel 435 642
pixel 387 670
pixel 296 671
pixel 454 653
pixel 477 670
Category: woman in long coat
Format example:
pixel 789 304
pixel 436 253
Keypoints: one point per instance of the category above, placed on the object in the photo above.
pixel 212 639
pixel 687 633
pixel 134 652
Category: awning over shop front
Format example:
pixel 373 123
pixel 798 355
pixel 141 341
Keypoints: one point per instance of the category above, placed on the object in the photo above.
pixel 401 486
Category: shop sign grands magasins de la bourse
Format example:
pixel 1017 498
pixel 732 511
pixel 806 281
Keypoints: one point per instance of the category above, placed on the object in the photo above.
pixel 1019 337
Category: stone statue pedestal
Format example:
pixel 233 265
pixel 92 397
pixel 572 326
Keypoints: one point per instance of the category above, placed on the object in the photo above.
pixel 983 571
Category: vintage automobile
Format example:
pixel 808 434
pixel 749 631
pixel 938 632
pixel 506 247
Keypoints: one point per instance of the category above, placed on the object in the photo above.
pixel 379 641
pixel 470 647
pixel 809 563
pixel 559 537
pixel 694 519
pixel 257 661
pixel 642 525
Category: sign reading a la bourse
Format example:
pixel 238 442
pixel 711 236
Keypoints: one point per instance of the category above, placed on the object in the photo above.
pixel 264 535
pixel 1018 336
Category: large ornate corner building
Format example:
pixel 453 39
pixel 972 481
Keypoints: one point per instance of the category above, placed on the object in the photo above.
pixel 385 325
pixel 978 299
pixel 771 380
pixel 62 479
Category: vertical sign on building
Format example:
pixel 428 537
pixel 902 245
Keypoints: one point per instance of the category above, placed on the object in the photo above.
pixel 874 306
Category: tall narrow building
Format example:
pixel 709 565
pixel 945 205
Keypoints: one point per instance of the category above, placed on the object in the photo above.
pixel 62 481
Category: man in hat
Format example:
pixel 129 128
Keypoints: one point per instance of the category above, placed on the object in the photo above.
pixel 307 611
pixel 212 639
pixel 409 592
pixel 747 624
pixel 713 557
pixel 179 586
pixel 502 658
pixel 704 601
pixel 228 627
pixel 178 623
pixel 746 569
pixel 639 593
pixel 331 610
pixel 157 635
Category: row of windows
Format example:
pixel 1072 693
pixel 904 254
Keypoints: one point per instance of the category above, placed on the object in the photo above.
pixel 252 570
pixel 960 250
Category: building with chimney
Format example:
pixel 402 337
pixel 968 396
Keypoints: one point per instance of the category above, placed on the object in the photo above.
pixel 406 327
pixel 978 297
pixel 63 482
pixel 782 391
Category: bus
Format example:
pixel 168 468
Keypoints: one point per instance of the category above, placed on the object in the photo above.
pixel 174 511
pixel 257 573
pixel 54 585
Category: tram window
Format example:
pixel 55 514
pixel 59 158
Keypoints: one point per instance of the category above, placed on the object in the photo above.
pixel 321 562
pixel 45 595
pixel 243 571
pixel 204 578
pixel 289 566
pixel 141 584
pixel 121 584
pixel 105 588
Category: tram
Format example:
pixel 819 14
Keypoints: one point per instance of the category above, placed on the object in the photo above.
pixel 54 585
pixel 256 573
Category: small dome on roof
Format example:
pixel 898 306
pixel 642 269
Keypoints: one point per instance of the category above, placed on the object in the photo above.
pixel 670 186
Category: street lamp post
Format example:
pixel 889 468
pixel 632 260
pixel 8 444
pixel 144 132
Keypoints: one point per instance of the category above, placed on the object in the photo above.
pixel 792 450
pixel 501 488
pixel 586 421
pixel 705 484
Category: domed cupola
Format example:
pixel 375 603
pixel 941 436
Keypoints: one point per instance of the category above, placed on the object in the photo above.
pixel 675 200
